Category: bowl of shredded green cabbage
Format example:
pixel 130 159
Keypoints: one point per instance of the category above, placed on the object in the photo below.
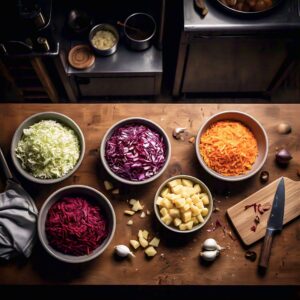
pixel 47 147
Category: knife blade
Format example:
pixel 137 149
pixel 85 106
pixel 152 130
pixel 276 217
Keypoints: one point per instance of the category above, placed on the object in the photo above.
pixel 274 224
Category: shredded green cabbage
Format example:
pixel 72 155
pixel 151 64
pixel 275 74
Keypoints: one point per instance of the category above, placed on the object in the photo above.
pixel 48 149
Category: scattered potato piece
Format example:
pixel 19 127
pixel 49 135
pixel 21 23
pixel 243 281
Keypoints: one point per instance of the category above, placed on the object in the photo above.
pixel 115 191
pixel 129 212
pixel 145 234
pixel 135 244
pixel 142 215
pixel 154 242
pixel 143 242
pixel 137 206
pixel 132 201
pixel 108 185
pixel 150 251
pixel 187 182
pixel 130 222
pixel 148 212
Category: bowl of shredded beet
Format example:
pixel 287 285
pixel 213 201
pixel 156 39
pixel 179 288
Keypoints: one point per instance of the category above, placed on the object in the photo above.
pixel 76 224
pixel 135 151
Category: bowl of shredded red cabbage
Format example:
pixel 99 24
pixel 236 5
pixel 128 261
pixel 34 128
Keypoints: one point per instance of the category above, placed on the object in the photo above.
pixel 47 147
pixel 135 151
pixel 76 224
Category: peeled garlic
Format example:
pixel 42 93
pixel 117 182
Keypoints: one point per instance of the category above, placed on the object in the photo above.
pixel 123 251
pixel 209 255
pixel 177 132
pixel 211 244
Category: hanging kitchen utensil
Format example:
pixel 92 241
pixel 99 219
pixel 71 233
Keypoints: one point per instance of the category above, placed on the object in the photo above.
pixel 18 217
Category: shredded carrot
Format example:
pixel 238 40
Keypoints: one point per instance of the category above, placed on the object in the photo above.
pixel 229 148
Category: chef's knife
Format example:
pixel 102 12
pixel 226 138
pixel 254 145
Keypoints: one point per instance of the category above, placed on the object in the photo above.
pixel 275 223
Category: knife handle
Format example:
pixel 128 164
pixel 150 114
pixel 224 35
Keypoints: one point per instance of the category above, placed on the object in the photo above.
pixel 266 249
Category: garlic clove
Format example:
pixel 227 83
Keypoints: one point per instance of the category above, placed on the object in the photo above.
pixel 211 244
pixel 177 132
pixel 123 251
pixel 209 255
pixel 284 128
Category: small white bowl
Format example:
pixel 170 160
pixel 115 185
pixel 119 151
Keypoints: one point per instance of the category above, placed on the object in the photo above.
pixel 204 188
pixel 258 132
pixel 63 119
pixel 141 121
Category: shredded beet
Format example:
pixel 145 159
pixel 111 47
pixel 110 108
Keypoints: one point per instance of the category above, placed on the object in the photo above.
pixel 253 228
pixel 260 209
pixel 75 226
pixel 135 152
pixel 257 220
pixel 254 205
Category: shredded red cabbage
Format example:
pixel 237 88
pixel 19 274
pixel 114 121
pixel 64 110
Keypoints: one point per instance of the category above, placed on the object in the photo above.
pixel 135 152
pixel 75 226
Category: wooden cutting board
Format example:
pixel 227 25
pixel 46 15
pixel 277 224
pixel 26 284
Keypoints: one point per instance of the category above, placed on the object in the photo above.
pixel 243 219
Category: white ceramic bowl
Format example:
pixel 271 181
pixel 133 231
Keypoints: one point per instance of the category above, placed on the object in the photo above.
pixel 258 132
pixel 85 192
pixel 141 121
pixel 63 119
pixel 204 189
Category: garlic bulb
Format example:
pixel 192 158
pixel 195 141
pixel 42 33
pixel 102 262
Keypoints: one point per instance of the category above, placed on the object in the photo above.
pixel 209 255
pixel 211 244
pixel 123 251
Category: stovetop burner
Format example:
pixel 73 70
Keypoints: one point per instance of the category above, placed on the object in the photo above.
pixel 284 18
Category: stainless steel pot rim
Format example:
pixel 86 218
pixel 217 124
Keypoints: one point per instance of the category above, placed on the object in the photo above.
pixel 144 14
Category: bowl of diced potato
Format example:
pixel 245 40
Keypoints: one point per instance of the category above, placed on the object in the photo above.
pixel 183 204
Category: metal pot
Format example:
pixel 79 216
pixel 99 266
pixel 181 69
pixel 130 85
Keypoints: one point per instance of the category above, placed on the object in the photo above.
pixel 139 30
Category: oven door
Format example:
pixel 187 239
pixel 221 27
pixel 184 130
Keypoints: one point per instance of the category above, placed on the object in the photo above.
pixel 233 64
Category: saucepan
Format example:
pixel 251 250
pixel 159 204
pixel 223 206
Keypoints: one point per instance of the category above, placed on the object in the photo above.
pixel 249 7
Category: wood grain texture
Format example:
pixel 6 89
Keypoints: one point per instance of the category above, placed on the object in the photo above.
pixel 243 219
pixel 180 264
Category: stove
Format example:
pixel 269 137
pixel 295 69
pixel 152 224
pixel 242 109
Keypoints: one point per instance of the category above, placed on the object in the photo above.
pixel 227 52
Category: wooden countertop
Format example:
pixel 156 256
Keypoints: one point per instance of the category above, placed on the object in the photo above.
pixel 180 264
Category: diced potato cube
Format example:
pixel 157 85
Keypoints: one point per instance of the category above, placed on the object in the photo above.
pixel 140 234
pixel 186 216
pixel 190 190
pixel 164 211
pixel 150 251
pixel 132 201
pixel 129 212
pixel 174 213
pixel 195 198
pixel 177 222
pixel 143 215
pixel 154 242
pixel 189 225
pixel 145 234
pixel 204 198
pixel 159 201
pixel 195 220
pixel 143 242
pixel 174 182
pixel 164 192
pixel 186 207
pixel 179 202
pixel 135 244
pixel 186 182
pixel 182 226
pixel 195 210
pixel 197 188
pixel 130 222
pixel 137 206
pixel 189 201
pixel 167 203
pixel 167 219
pixel 177 189
pixel 185 194
pixel 200 218
pixel 115 192
pixel 108 185
pixel 204 212
pixel 200 204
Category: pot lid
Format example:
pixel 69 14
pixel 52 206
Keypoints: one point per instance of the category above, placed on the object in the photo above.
pixel 81 57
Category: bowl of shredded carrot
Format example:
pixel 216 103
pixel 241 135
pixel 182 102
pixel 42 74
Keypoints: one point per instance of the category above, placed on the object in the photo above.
pixel 232 146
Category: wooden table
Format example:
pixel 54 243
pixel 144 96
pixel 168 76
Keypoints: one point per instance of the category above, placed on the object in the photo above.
pixel 180 262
